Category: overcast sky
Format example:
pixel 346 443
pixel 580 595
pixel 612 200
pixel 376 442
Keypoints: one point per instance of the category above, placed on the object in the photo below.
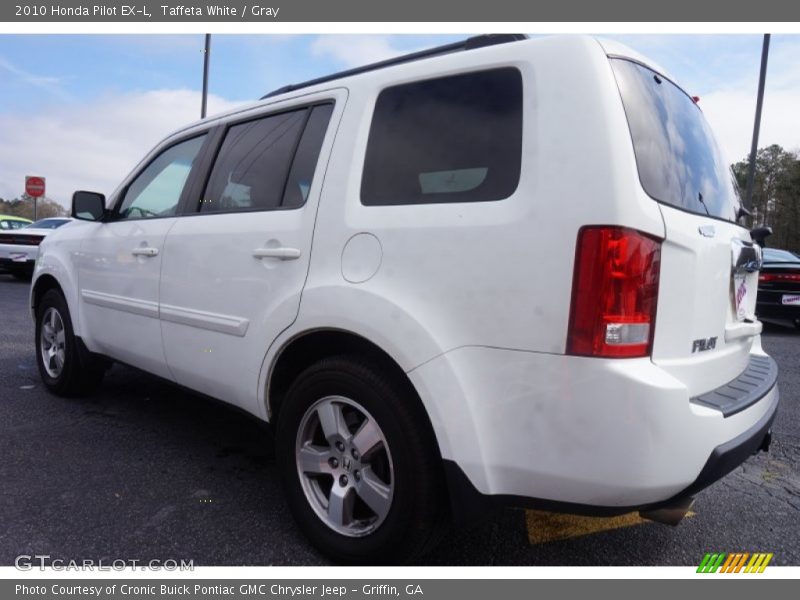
pixel 82 110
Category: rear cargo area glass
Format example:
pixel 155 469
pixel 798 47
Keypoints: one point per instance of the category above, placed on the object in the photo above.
pixel 678 159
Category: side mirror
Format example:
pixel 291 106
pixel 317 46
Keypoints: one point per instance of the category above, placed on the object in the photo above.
pixel 88 206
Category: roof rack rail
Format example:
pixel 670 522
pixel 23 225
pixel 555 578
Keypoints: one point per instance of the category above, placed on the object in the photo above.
pixel 478 41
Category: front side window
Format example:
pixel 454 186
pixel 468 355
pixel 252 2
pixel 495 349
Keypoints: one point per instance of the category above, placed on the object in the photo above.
pixel 157 190
pixel 450 139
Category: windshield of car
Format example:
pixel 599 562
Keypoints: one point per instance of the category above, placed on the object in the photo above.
pixel 679 161
pixel 48 223
pixel 773 255
pixel 6 224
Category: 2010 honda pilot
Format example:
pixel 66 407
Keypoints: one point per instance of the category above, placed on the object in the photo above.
pixel 501 270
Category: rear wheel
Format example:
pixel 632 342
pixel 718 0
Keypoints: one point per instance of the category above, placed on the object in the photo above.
pixel 65 366
pixel 362 475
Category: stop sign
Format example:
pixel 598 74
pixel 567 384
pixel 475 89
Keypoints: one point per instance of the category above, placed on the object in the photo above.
pixel 34 186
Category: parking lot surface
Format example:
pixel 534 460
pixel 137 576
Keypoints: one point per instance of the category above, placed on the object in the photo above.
pixel 141 470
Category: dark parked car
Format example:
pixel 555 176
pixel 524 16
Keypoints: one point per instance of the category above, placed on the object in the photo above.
pixel 779 287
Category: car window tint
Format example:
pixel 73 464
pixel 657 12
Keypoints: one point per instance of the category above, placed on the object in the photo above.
pixel 450 139
pixel 251 168
pixel 156 191
pixel 48 224
pixel 679 161
pixel 305 159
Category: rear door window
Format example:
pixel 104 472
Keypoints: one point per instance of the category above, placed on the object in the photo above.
pixel 306 157
pixel 450 139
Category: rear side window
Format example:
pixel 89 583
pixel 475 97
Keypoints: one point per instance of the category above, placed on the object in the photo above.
pixel 305 159
pixel 678 159
pixel 451 139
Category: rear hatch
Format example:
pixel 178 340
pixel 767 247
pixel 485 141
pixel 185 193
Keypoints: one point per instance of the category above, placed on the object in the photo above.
pixel 705 322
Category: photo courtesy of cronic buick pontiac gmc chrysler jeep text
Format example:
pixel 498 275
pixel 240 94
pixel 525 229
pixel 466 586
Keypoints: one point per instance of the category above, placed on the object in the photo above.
pixel 502 271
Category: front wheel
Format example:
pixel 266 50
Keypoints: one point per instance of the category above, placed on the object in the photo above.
pixel 65 366
pixel 361 470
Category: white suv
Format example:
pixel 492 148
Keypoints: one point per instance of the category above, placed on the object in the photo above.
pixel 501 270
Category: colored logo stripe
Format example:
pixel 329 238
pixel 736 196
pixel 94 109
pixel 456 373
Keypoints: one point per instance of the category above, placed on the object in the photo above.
pixel 758 563
pixel 711 563
pixel 734 562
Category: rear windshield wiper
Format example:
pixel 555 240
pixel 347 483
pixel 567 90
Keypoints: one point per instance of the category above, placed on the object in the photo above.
pixel 700 198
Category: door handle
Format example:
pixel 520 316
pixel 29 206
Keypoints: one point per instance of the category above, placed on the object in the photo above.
pixel 145 251
pixel 279 253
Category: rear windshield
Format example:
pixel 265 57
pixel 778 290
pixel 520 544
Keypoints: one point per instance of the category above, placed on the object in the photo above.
pixel 678 159
pixel 48 224
pixel 773 255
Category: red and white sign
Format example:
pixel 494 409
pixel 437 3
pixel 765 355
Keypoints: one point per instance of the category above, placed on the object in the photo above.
pixel 34 186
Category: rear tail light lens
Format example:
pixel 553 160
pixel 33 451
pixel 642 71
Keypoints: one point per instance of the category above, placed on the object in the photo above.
pixel 788 277
pixel 614 293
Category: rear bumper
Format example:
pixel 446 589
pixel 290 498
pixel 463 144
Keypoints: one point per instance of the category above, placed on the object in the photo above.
pixel 17 265
pixel 468 503
pixel 17 258
pixel 778 311
pixel 769 303
pixel 580 435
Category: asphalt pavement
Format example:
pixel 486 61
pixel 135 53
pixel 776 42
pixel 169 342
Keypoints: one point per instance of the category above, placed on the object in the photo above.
pixel 142 470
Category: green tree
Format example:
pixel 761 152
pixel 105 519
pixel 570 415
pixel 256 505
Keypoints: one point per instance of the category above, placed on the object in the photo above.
pixel 776 194
pixel 23 207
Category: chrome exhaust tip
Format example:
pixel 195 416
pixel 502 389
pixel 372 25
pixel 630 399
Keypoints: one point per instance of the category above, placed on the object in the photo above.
pixel 671 514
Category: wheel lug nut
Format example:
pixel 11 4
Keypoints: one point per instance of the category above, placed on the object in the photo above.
pixel 333 462
pixel 355 454
pixel 343 480
pixel 357 475
pixel 340 446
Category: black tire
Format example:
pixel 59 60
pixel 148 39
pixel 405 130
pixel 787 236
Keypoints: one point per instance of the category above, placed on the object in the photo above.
pixel 82 371
pixel 416 515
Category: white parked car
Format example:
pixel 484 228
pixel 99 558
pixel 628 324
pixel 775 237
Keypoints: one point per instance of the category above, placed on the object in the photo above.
pixel 501 271
pixel 19 246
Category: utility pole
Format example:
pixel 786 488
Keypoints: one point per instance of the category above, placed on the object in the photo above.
pixel 751 173
pixel 206 57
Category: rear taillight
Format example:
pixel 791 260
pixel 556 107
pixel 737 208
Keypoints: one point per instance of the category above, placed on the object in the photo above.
pixel 614 293
pixel 787 277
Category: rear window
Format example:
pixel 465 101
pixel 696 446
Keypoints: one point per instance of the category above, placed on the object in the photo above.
pixel 678 159
pixel 48 224
pixel 773 255
pixel 450 139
